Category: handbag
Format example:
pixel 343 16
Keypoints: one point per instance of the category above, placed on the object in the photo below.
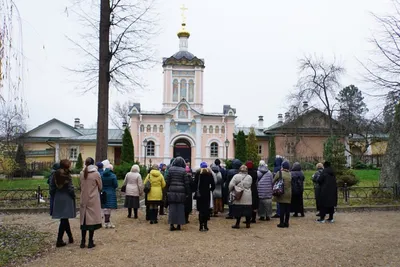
pixel 236 193
pixel 197 194
pixel 123 189
pixel 147 186
pixel 103 197
pixel 279 186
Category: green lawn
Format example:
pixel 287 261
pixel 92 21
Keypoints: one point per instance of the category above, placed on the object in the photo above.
pixel 33 183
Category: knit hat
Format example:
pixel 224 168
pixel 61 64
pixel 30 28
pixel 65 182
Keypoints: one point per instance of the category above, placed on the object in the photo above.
pixel 286 165
pixel 56 166
pixel 99 165
pixel 249 165
pixel 154 167
pixel 203 165
pixel 106 164
pixel 217 162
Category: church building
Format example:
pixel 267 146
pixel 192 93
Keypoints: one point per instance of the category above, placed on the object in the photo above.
pixel 182 127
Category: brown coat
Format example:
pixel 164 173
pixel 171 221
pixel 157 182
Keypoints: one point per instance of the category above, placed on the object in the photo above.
pixel 287 188
pixel 90 207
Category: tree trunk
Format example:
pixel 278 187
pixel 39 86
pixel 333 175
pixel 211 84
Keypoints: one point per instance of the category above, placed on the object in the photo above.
pixel 390 172
pixel 104 79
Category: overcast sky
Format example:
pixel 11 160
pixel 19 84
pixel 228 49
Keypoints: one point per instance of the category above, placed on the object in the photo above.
pixel 251 51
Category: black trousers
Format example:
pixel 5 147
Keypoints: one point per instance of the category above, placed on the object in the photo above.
pixel 327 210
pixel 284 213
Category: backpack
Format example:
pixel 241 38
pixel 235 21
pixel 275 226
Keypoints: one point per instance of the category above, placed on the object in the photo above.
pixel 279 186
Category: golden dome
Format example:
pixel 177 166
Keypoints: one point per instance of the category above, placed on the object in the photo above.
pixel 183 32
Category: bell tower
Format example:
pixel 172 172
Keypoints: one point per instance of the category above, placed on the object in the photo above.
pixel 183 74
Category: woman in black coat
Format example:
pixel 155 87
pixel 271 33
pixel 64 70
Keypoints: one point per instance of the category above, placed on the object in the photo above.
pixel 254 192
pixel 328 193
pixel 178 190
pixel 297 204
pixel 204 184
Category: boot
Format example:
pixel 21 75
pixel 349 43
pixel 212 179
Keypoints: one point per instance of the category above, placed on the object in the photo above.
pixel 253 217
pixel 172 227
pixel 237 224
pixel 248 221
pixel 286 223
pixel 135 212
pixel 187 217
pixel 83 241
pixel 178 227
pixel 205 226
pixel 69 233
pixel 129 213
pixel 61 230
pixel 201 223
pixel 281 222
pixel 91 243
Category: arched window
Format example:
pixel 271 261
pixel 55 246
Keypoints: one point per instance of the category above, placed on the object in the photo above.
pixel 222 129
pixel 191 91
pixel 161 128
pixel 216 129
pixel 150 149
pixel 183 112
pixel 154 128
pixel 214 150
pixel 175 86
pixel 148 128
pixel 142 128
pixel 211 129
pixel 55 131
pixel 205 129
pixel 183 89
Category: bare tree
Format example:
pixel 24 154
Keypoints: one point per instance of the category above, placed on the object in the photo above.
pixel 124 33
pixel 319 81
pixel 120 114
pixel 12 125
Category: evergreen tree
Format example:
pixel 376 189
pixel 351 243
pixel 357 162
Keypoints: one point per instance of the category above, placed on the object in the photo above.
pixel 20 159
pixel 240 148
pixel 252 147
pixel 128 154
pixel 272 152
pixel 334 153
pixel 352 108
pixel 79 162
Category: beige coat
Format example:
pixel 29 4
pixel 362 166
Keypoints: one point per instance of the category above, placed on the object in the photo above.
pixel 90 207
pixel 134 184
pixel 242 180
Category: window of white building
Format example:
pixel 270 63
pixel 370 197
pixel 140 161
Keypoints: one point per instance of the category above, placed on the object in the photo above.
pixel 73 153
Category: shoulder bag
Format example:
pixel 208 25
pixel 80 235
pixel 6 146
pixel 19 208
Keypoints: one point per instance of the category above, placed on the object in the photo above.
pixel 237 192
pixel 147 186
pixel 278 188
pixel 197 194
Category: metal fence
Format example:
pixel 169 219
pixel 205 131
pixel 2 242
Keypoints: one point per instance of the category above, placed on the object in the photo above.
pixel 39 197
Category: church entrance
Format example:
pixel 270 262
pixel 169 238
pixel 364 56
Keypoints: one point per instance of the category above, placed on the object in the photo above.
pixel 183 149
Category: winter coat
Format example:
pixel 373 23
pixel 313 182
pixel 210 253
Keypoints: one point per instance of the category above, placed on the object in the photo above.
pixel 242 180
pixel 218 181
pixel 317 188
pixel 264 182
pixel 277 165
pixel 64 206
pixel 110 184
pixel 287 181
pixel 254 191
pixel 157 184
pixel 134 184
pixel 204 182
pixel 178 183
pixel 328 188
pixel 229 175
pixel 90 206
pixel 297 179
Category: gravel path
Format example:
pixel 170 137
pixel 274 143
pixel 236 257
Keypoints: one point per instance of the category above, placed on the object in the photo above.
pixel 355 239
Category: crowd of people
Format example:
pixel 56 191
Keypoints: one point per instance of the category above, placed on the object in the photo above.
pixel 246 190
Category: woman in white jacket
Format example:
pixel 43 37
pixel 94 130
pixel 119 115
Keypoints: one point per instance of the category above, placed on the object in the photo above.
pixel 134 189
pixel 241 207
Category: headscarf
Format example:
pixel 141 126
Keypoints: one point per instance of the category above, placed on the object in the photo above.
pixel 62 175
pixel 243 169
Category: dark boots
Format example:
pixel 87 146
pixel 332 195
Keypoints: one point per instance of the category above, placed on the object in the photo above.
pixel 64 227
pixel 187 217
pixel 237 224
pixel 83 240
pixel 91 244
pixel 135 213
pixel 203 220
pixel 129 213
pixel 153 216
pixel 253 217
